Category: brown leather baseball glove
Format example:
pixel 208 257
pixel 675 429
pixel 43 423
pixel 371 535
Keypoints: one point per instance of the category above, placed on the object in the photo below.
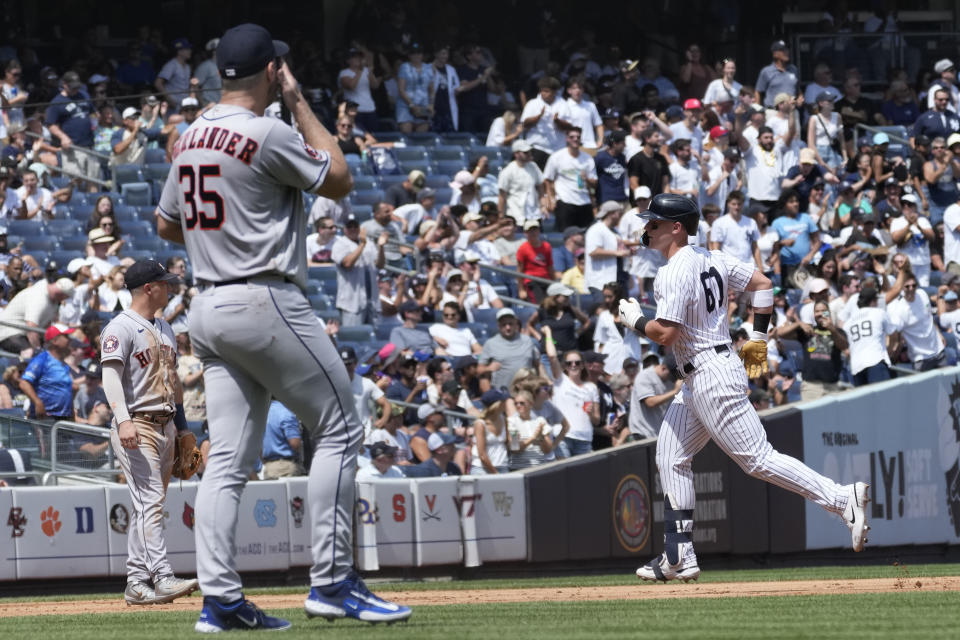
pixel 186 456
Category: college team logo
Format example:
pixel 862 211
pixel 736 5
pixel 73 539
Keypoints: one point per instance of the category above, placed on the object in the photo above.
pixel 631 513
pixel 264 513
pixel 17 522
pixel 50 522
pixel 188 515
pixel 119 518
pixel 296 511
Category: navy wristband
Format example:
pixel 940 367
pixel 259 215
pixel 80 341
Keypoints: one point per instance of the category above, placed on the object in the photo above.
pixel 180 419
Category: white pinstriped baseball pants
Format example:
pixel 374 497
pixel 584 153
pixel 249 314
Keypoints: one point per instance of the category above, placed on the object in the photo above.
pixel 714 404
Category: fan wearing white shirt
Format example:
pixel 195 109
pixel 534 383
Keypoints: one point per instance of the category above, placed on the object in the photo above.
pixel 951 238
pixel 867 330
pixel 724 178
pixel 545 119
pixel 685 172
pixel 603 246
pixel 568 176
pixel 584 114
pixel 912 234
pixel 911 316
pixel 737 234
pixel 451 339
pixel 382 459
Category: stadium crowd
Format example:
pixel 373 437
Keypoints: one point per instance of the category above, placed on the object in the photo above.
pixel 471 280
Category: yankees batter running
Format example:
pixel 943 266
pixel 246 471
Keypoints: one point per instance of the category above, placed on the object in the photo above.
pixel 691 294
pixel 143 390
pixel 234 198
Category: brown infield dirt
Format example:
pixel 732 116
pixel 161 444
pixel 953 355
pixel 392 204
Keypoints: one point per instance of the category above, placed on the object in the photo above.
pixel 544 594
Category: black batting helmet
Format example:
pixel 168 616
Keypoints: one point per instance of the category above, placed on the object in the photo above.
pixel 674 207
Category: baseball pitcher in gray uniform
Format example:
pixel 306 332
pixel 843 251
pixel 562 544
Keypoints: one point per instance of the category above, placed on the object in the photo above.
pixel 143 390
pixel 691 294
pixel 234 197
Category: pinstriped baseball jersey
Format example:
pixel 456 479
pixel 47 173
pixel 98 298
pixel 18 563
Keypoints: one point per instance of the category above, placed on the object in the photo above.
pixel 234 188
pixel 691 290
pixel 148 353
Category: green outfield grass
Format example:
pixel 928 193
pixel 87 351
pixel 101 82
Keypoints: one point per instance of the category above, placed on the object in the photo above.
pixel 874 616
pixel 626 578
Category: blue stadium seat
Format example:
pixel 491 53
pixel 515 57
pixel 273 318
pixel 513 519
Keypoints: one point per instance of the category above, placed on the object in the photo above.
pixel 140 254
pixel 363 212
pixel 319 301
pixel 361 333
pixel 322 274
pixel 76 243
pixel 362 183
pixel 127 173
pixel 78 198
pixel 390 136
pixel 147 212
pixel 357 169
pixel 59 182
pixel 411 153
pixel 554 238
pixel 446 152
pixel 443 196
pixel 64 257
pixel 500 153
pixel 383 329
pixel 40 243
pixel 388 181
pixel 152 244
pixel 153 156
pixel 313 286
pixel 125 214
pixel 450 167
pixel 367 196
pixel 461 138
pixel 33 227
pixel 156 187
pixel 548 225
pixel 137 193
pixel 165 254
pixel 158 171
pixel 488 318
pixel 139 228
pixel 406 166
pixel 479 330
pixel 423 139
pixel 438 181
pixel 64 228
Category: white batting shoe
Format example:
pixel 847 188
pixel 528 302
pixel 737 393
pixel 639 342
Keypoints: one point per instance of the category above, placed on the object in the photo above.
pixel 660 570
pixel 855 515
pixel 169 588
pixel 139 593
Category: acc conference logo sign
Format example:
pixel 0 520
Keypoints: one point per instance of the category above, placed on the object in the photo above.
pixel 631 513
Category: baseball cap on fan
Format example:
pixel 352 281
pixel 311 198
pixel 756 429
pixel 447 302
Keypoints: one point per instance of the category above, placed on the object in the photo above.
pixel 247 49
pixel 146 271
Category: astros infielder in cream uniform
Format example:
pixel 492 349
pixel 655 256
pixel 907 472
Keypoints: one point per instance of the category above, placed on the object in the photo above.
pixel 138 353
pixel 234 196
pixel 691 294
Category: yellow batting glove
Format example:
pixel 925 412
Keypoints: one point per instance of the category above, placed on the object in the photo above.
pixel 754 356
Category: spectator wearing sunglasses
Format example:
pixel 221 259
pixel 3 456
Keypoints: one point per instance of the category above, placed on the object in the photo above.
pixel 576 398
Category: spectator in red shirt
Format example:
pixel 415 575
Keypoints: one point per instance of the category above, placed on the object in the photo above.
pixel 534 258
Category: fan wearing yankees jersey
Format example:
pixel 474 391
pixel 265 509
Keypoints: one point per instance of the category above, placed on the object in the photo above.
pixel 867 329
pixel 691 293
pixel 234 197
pixel 142 387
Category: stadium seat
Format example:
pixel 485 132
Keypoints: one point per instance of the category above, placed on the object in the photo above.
pixel 411 153
pixel 406 166
pixel 64 228
pixel 147 213
pixel 151 243
pixel 499 153
pixel 388 181
pixel 165 254
pixel 64 257
pixel 319 301
pixel 449 153
pixel 362 212
pixel 554 238
pixel 443 196
pixel 362 183
pixel 137 193
pixel 76 244
pixel 139 228
pixel 140 254
pixel 33 227
pixel 78 199
pixel 153 156
pixel 390 136
pixel 322 274
pixel 426 139
pixel 127 173
pixel 40 243
pixel 59 182
pixel 450 167
pixel 367 196
pixel 460 138
pixel 549 225
pixel 158 171
pixel 125 214
pixel 361 333
pixel 480 331
pixel 383 329
pixel 438 180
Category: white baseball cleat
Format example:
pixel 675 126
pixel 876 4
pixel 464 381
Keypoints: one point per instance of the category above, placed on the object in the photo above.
pixel 139 592
pixel 855 515
pixel 169 588
pixel 660 570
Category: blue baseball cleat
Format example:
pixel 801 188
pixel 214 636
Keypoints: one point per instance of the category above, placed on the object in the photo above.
pixel 241 615
pixel 350 598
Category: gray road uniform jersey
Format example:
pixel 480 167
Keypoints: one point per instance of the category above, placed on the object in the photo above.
pixel 223 190
pixel 235 189
pixel 149 355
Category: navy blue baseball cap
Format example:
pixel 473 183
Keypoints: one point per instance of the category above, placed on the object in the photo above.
pixel 247 49
pixel 145 271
